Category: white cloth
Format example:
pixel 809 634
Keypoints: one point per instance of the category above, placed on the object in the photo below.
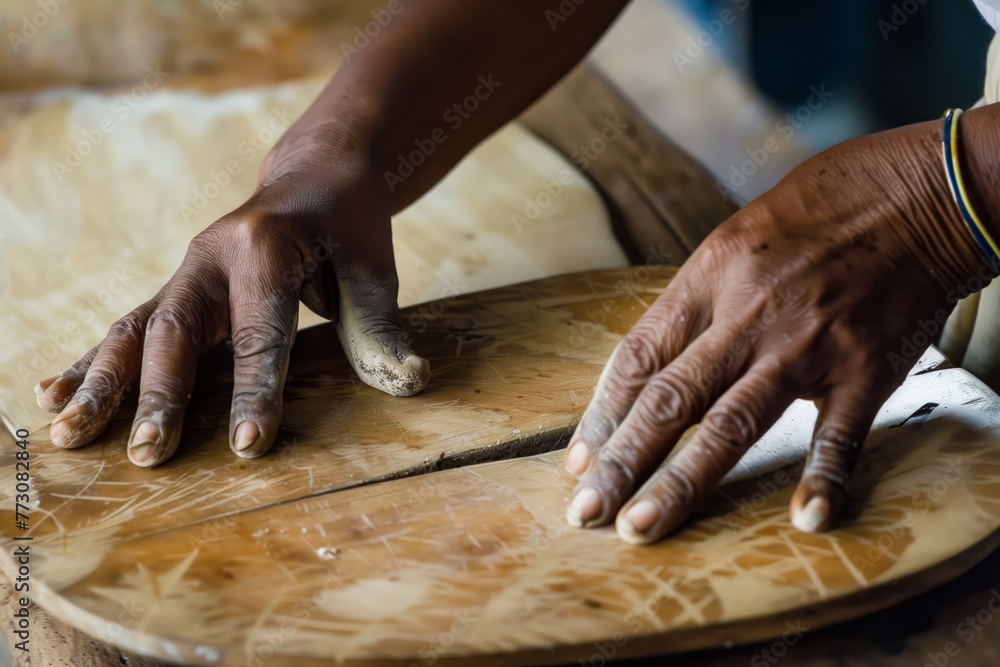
pixel 990 9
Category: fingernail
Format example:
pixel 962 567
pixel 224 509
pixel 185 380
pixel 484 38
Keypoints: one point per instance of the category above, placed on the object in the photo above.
pixel 64 427
pixel 72 412
pixel 586 506
pixel 246 434
pixel 45 384
pixel 59 390
pixel 814 516
pixel 61 383
pixel 141 453
pixel 578 458
pixel 146 433
pixel 638 520
pixel 143 444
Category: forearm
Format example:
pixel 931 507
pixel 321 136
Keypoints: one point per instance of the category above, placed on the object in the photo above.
pixel 442 75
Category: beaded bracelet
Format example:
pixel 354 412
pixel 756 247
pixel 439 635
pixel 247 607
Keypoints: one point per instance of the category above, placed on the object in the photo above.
pixel 949 142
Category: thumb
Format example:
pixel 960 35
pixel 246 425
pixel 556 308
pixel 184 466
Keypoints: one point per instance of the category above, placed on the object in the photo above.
pixel 371 330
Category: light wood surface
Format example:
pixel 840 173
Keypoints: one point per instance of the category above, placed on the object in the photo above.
pixel 704 105
pixel 211 555
pixel 80 249
pixel 513 366
pixel 706 108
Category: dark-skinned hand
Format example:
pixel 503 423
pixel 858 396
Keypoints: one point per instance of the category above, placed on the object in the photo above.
pixel 316 230
pixel 807 292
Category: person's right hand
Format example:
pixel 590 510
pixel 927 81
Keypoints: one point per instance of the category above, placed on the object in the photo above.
pixel 316 229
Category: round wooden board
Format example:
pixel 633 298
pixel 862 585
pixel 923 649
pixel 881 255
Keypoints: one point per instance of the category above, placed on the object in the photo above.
pixel 352 544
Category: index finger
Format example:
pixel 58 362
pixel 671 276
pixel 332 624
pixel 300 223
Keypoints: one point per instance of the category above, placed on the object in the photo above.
pixel 657 338
pixel 728 429
pixel 672 400
pixel 263 330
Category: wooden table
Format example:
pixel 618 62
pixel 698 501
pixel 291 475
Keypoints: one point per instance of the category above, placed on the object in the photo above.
pixel 955 618
pixel 659 197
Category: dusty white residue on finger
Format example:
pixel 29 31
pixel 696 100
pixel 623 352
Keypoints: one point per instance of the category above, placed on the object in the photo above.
pixel 377 364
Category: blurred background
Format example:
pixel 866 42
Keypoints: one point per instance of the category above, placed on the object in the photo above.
pixel 891 62
pixel 718 76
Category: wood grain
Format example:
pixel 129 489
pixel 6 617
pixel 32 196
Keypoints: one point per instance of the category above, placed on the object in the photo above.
pixel 514 365
pixel 352 544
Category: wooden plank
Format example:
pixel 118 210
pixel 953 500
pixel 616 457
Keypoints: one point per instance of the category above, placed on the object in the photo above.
pixel 661 200
pixel 513 370
pixel 706 105
pixel 210 556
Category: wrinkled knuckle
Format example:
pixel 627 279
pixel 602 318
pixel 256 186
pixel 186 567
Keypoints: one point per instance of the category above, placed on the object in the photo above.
pixel 205 243
pixel 618 464
pixel 673 483
pixel 110 375
pixel 724 234
pixel 128 328
pixel 831 467
pixel 236 231
pixel 257 337
pixel 695 375
pixel 168 318
pixel 380 324
pixel 78 369
pixel 723 245
pixel 665 403
pixel 249 230
pixel 257 401
pixel 98 384
pixel 833 456
pixel 172 320
pixel 166 396
pixel 638 356
pixel 730 429
pixel 837 439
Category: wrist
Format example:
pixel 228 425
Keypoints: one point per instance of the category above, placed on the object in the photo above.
pixel 977 150
pixel 343 128
pixel 937 233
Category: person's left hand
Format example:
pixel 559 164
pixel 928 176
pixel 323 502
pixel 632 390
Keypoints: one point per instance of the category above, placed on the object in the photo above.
pixel 808 292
